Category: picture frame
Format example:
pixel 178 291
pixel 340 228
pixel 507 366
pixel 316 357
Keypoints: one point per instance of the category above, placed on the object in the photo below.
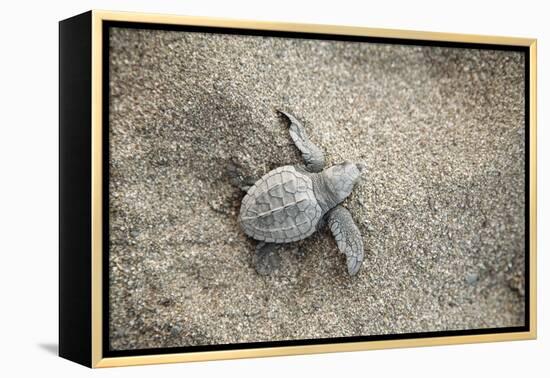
pixel 85 209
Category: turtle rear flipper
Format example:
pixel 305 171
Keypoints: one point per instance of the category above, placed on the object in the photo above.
pixel 348 238
pixel 267 259
pixel 312 154
pixel 238 178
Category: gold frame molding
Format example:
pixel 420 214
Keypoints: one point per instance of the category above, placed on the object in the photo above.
pixel 97 191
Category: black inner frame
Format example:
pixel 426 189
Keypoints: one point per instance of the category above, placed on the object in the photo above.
pixel 106 25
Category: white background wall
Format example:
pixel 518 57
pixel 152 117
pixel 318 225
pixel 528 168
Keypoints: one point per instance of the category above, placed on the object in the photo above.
pixel 28 185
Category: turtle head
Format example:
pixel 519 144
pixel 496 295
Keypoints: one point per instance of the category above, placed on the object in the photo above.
pixel 341 179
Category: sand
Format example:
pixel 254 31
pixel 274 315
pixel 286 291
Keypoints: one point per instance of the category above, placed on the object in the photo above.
pixel 441 208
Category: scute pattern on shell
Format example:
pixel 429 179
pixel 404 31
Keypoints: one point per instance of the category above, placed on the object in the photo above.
pixel 280 207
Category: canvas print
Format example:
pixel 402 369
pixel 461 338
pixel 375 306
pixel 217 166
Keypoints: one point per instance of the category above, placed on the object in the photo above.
pixel 278 188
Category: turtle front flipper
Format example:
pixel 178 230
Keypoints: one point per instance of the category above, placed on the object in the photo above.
pixel 313 155
pixel 267 259
pixel 348 238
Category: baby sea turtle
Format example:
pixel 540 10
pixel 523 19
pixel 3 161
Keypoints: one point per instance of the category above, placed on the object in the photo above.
pixel 292 202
